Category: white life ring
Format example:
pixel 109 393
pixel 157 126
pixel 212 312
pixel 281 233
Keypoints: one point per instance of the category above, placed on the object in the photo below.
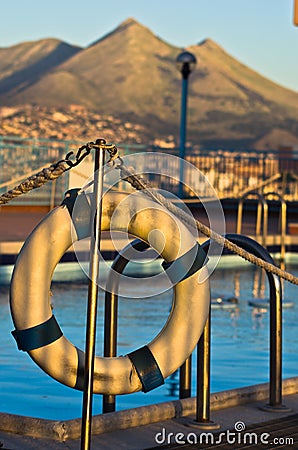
pixel 32 313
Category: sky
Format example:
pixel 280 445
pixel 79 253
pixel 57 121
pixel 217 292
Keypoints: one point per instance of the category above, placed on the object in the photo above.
pixel 260 33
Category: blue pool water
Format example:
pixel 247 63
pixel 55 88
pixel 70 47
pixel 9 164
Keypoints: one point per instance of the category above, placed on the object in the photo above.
pixel 239 344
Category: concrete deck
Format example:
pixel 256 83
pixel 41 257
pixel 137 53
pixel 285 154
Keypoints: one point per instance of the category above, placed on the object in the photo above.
pixel 236 411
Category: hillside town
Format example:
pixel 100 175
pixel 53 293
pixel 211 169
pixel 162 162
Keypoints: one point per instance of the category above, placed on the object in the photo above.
pixel 74 122
pixel 54 90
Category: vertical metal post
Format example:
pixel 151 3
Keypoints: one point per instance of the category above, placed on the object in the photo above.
pixel 259 218
pixel 110 339
pixel 184 92
pixel 111 310
pixel 275 397
pixel 203 356
pixel 202 419
pixel 262 207
pixel 182 133
pixel 275 292
pixel 95 233
pixel 283 228
pixel 185 379
pixel 265 223
pixel 203 374
pixel 186 62
pixel 239 216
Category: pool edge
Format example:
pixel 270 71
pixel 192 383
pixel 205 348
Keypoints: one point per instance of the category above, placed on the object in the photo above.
pixel 62 430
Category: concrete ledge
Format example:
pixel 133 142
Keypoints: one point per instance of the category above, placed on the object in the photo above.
pixel 103 423
pixel 250 394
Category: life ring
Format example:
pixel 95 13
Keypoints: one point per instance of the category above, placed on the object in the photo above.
pixel 37 331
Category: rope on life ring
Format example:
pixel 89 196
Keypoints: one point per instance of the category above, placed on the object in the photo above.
pixel 37 331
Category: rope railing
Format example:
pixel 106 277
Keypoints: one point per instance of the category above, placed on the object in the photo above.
pixel 128 174
pixel 140 184
pixel 35 181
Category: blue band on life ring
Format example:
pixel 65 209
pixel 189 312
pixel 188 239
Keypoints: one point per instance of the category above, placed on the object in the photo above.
pixel 186 265
pixel 81 221
pixel 70 197
pixel 38 336
pixel 147 368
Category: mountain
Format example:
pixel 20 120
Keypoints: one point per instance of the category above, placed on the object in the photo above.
pixel 22 65
pixel 131 74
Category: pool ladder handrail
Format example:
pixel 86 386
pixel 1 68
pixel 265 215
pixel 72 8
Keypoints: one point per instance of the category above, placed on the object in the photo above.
pixel 263 216
pixel 282 225
pixel 203 346
pixel 262 208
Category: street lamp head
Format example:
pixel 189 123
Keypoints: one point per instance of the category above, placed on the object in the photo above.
pixel 185 62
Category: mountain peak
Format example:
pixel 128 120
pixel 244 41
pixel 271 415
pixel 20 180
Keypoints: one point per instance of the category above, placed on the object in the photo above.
pixel 210 44
pixel 128 23
pixel 130 74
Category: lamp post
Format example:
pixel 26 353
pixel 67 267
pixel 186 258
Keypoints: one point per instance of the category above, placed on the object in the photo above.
pixel 185 62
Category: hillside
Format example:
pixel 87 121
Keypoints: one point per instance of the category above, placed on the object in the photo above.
pixel 130 74
pixel 22 65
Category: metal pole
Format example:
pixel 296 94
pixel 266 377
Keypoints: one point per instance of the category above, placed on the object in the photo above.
pixel 95 233
pixel 183 132
pixel 185 379
pixel 239 216
pixel 110 340
pixel 186 61
pixel 111 322
pixel 283 228
pixel 203 356
pixel 265 223
pixel 203 374
pixel 111 310
pixel 202 419
pixel 275 293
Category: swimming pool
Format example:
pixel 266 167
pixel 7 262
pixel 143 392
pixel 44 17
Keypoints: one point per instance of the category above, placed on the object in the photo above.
pixel 239 343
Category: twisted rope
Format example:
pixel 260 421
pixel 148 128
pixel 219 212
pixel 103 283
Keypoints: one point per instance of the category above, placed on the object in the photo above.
pixel 128 174
pixel 35 181
pixel 139 183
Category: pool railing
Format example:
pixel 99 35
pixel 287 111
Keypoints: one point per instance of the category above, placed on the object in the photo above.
pixel 203 418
